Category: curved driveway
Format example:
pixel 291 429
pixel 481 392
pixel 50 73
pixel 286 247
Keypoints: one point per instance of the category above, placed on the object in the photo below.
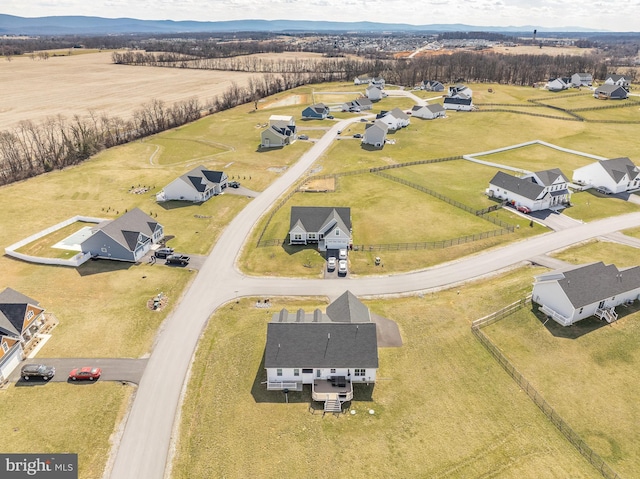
pixel 144 447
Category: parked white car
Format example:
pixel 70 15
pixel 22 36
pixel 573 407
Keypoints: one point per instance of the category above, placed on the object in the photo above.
pixel 342 267
pixel 331 263
pixel 342 254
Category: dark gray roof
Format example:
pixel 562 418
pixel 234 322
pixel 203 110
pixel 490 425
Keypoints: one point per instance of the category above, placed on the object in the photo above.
pixel 348 309
pixel 592 283
pixel 458 101
pixel 399 114
pixel 313 218
pixel 13 306
pixel 321 345
pixel 125 229
pixel 377 124
pixel 363 102
pixel 548 177
pixel 611 89
pixel 616 168
pixel 435 108
pixel 522 186
pixel 616 77
pixel 200 178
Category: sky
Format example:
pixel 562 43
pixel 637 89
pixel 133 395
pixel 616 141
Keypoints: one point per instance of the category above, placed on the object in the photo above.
pixel 618 15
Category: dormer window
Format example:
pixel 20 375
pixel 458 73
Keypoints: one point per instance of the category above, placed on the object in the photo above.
pixel 337 232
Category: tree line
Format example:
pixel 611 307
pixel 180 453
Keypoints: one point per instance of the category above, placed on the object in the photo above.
pixel 31 148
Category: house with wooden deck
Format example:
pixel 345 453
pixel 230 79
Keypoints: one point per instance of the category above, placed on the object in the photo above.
pixel 329 227
pixel 127 238
pixel 575 293
pixel 331 351
pixel 21 318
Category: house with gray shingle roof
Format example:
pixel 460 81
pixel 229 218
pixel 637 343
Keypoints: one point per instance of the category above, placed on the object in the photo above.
pixel 375 134
pixel 582 79
pixel 281 132
pixel 541 190
pixel 197 185
pixel 428 112
pixel 616 175
pixel 127 238
pixel 619 80
pixel 431 85
pixel 394 119
pixel 20 320
pixel 458 104
pixel 571 294
pixel 319 111
pixel 328 226
pixel 610 92
pixel 329 351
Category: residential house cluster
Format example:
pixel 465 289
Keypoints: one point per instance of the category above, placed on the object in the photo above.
pixel 615 87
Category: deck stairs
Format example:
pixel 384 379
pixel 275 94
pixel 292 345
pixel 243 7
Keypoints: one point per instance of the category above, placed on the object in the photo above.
pixel 608 314
pixel 332 405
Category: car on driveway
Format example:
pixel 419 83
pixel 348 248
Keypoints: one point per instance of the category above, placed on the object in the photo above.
pixel 342 254
pixel 342 267
pixel 179 259
pixel 303 137
pixel 604 190
pixel 39 371
pixel 163 252
pixel 330 117
pixel 331 263
pixel 523 209
pixel 357 135
pixel 87 373
pixel 234 184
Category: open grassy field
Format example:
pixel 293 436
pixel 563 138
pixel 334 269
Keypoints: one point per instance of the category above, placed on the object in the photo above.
pixel 587 372
pixel 443 407
pixel 60 417
pixel 381 210
pixel 590 205
pixel 599 250
pixel 627 113
pixel 75 85
pixel 43 246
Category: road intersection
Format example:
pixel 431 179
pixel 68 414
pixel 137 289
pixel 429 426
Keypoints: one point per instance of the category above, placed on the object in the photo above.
pixel 144 450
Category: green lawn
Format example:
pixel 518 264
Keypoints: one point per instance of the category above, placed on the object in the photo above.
pixel 571 99
pixel 60 417
pixel 597 250
pixel 538 158
pixel 590 205
pixel 43 247
pixel 589 373
pixel 442 406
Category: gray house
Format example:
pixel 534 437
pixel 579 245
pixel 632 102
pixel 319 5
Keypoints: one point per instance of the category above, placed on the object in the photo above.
pixel 375 134
pixel 610 92
pixel 319 111
pixel 431 85
pixel 582 79
pixel 328 226
pixel 428 112
pixel 127 238
pixel 330 351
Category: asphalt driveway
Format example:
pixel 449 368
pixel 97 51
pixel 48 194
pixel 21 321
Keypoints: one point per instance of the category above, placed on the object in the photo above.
pixel 127 370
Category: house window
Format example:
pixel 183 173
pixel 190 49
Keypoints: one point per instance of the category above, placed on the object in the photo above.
pixel 333 371
pixel 337 232
pixel 30 314
pixel 5 347
pixel 296 372
pixel 278 372
pixel 312 236
pixel 581 309
pixel 318 373
pixel 297 236
pixel 359 372
pixel 321 235
pixel 307 371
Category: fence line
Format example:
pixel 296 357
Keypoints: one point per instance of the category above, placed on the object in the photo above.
pixel 573 437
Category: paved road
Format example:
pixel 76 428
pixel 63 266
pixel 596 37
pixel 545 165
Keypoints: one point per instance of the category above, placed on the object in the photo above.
pixel 145 445
pixel 121 369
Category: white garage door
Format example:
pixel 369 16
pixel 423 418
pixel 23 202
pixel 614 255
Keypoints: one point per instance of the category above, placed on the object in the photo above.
pixel 10 363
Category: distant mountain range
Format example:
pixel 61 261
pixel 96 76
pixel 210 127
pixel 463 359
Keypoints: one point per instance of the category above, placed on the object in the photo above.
pixel 80 25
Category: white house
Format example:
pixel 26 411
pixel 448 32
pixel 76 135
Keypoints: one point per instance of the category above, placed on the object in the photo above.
pixel 280 132
pixel 616 175
pixel 618 80
pixel 197 185
pixel 373 93
pixel 541 190
pixel 375 134
pixel 458 104
pixel 582 79
pixel 127 238
pixel 330 351
pixel 558 84
pixel 394 119
pixel 569 295
pixel 362 81
pixel 428 112
pixel 329 227
pixel 20 320
pixel 460 91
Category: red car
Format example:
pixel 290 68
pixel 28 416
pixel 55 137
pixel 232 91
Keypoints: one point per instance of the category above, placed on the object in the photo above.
pixel 85 373
pixel 524 209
